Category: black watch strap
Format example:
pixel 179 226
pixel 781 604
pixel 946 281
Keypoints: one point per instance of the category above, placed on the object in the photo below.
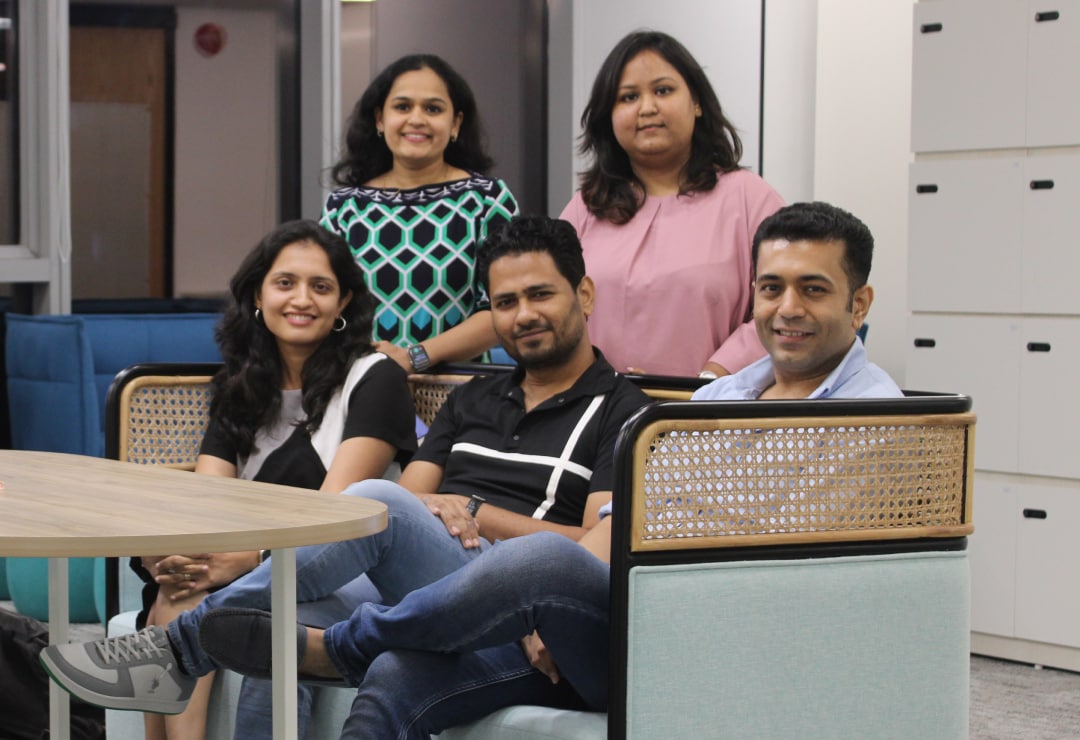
pixel 418 358
pixel 475 502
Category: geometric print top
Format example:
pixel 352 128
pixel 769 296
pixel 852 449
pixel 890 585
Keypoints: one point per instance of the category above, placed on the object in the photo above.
pixel 417 249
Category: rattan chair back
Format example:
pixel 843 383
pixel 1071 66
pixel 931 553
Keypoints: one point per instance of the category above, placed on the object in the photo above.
pixel 736 482
pixel 429 392
pixel 163 419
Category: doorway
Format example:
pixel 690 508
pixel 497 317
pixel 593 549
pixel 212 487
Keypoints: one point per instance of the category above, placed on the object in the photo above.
pixel 121 143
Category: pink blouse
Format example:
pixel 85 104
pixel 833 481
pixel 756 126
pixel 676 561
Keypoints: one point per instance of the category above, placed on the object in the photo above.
pixel 673 285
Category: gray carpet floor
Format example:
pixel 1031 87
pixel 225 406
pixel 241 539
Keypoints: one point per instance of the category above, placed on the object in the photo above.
pixel 1017 700
pixel 1009 701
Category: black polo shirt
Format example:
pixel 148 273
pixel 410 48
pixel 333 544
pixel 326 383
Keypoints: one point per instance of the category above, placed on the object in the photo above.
pixel 543 463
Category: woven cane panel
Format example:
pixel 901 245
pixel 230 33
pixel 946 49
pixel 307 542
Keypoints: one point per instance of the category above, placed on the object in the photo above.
pixel 429 392
pixel 163 421
pixel 723 483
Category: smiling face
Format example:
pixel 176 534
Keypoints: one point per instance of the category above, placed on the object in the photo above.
pixel 300 298
pixel 655 112
pixel 539 318
pixel 805 312
pixel 418 119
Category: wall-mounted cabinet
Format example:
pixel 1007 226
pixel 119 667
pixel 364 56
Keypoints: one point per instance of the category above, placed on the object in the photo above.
pixel 1021 582
pixel 1019 371
pixel 969 354
pixel 993 217
pixel 992 74
pixel 1008 216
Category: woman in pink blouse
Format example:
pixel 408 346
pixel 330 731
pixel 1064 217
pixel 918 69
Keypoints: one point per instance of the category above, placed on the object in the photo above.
pixel 666 216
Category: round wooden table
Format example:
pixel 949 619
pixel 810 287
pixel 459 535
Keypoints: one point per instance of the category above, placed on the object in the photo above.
pixel 58 506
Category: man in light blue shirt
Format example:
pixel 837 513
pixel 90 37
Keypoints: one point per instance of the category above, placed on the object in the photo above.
pixel 811 264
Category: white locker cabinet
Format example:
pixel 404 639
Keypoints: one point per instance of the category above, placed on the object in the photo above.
pixel 962 214
pixel 970 355
pixel 1053 73
pixel 1049 402
pixel 1050 258
pixel 994 216
pixel 1047 551
pixel 969 74
pixel 992 550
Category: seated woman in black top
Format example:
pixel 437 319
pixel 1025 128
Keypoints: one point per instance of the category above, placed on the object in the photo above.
pixel 303 400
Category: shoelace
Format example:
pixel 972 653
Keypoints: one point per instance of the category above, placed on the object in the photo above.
pixel 128 647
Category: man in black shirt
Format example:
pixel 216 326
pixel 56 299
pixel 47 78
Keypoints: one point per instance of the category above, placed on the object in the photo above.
pixel 534 447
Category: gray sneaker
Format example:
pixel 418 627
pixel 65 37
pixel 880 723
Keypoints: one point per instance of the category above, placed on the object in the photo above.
pixel 138 672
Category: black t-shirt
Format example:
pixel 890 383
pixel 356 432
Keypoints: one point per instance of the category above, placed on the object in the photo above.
pixel 380 407
pixel 543 463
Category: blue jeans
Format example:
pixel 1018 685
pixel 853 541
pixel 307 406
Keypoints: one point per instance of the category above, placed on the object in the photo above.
pixel 448 654
pixel 414 550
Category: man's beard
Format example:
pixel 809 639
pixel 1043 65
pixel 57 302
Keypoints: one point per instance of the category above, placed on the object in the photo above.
pixel 558 354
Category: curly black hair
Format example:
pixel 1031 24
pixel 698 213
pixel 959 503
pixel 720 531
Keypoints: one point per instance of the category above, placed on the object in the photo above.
pixel 366 154
pixel 246 393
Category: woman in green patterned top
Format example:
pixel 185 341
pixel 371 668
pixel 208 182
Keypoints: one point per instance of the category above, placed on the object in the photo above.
pixel 413 204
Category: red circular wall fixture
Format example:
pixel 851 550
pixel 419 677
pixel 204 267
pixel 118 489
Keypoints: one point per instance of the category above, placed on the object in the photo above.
pixel 210 39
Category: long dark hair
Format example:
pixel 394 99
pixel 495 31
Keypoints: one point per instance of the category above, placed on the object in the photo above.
pixel 246 391
pixel 366 154
pixel 609 187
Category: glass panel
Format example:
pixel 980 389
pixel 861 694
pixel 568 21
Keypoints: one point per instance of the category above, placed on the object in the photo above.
pixel 9 119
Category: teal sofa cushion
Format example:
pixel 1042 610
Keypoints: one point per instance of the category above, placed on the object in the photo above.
pixel 845 647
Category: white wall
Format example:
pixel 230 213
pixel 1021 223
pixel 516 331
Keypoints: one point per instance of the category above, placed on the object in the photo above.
pixel 789 85
pixel 862 146
pixel 226 146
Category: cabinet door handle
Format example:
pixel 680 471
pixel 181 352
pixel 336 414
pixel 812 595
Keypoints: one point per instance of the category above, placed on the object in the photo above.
pixel 1038 346
pixel 925 342
pixel 926 188
pixel 931 28
pixel 1042 184
pixel 1034 513
pixel 1047 15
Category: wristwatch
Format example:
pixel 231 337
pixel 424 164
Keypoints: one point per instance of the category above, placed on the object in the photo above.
pixel 418 358
pixel 475 502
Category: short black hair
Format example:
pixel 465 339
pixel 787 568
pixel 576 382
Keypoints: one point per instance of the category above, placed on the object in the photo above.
pixel 819 221
pixel 534 234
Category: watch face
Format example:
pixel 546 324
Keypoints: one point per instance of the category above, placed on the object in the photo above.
pixel 418 357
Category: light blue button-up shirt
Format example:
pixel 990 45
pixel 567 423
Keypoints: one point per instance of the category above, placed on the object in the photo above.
pixel 854 377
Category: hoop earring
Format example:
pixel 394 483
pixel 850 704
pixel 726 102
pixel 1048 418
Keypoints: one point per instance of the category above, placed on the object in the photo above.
pixel 379 133
pixel 258 315
pixel 453 139
pixel 344 323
